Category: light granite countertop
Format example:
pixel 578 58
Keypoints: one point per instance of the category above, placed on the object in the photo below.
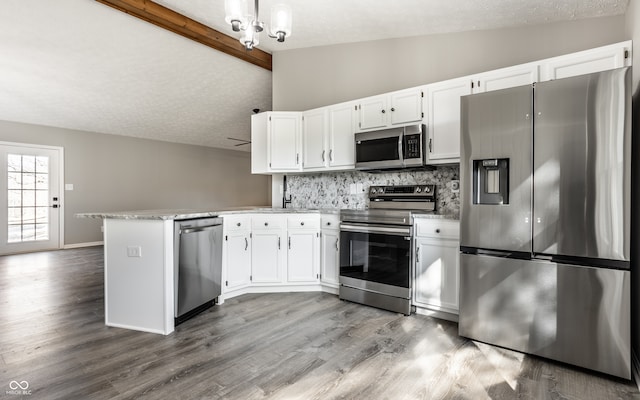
pixel 189 214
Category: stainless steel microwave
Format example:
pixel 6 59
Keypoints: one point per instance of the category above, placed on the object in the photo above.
pixel 391 148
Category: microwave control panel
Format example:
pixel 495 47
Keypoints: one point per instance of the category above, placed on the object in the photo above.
pixel 412 146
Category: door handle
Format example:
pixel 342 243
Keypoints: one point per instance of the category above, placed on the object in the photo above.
pixel 289 242
pixel 323 151
pixel 337 247
pixel 417 255
pixel 278 242
pixel 331 155
pixel 246 244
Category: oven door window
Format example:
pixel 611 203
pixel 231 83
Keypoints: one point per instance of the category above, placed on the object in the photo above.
pixel 372 150
pixel 375 257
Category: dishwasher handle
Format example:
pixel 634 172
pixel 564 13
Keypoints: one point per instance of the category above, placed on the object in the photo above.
pixel 199 229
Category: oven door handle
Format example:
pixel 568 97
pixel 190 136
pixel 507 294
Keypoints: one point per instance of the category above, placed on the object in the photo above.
pixel 385 230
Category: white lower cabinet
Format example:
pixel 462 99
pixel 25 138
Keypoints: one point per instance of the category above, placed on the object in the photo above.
pixel 274 252
pixel 302 248
pixel 330 251
pixel 268 256
pixel 437 267
pixel 236 255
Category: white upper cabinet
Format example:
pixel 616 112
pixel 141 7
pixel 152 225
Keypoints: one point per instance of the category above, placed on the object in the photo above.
pixel 406 106
pixel 504 78
pixel 314 138
pixel 284 141
pixel 328 138
pixel 392 109
pixel 341 135
pixel 442 108
pixel 372 113
pixel 585 62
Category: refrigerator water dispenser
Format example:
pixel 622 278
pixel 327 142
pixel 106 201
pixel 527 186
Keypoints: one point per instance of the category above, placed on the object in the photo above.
pixel 491 181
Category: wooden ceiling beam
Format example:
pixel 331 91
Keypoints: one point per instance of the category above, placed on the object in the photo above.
pixel 177 23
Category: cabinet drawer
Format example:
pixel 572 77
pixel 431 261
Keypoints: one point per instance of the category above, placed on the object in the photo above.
pixel 266 221
pixel 303 221
pixel 437 228
pixel 236 222
pixel 330 221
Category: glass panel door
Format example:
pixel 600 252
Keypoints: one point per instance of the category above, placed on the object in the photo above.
pixel 29 196
pixel 375 257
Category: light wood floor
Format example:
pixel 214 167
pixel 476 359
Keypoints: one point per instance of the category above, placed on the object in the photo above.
pixel 277 346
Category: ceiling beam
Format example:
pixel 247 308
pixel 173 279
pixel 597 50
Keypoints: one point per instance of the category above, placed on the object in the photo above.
pixel 175 22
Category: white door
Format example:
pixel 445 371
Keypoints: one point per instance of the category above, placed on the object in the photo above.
pixel 330 245
pixel 284 129
pixel 265 257
pixel 373 112
pixel 238 260
pixel 406 106
pixel 341 135
pixel 30 202
pixel 437 274
pixel 302 251
pixel 314 125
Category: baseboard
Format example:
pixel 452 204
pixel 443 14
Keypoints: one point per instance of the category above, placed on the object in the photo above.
pixel 635 368
pixel 437 314
pixel 85 244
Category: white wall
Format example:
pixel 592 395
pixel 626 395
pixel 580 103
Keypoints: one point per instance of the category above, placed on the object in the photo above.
pixel 118 173
pixel 314 77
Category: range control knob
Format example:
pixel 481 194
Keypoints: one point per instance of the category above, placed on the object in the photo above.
pixel 427 189
pixel 418 190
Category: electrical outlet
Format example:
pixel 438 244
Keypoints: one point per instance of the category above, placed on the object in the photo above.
pixel 134 251
pixel 352 188
pixel 359 188
pixel 455 186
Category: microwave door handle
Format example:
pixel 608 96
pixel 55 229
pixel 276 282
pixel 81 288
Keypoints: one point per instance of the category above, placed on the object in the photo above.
pixel 400 155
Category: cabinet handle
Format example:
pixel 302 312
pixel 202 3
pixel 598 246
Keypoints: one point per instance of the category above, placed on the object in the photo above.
pixel 330 154
pixel 323 151
pixel 393 109
pixel 430 146
pixel 328 223
pixel 289 242
pixel 266 224
pixel 246 244
pixel 438 230
pixel 302 223
pixel 278 242
pixel 238 224
pixel 297 158
pixel 383 111
pixel 417 255
pixel 337 246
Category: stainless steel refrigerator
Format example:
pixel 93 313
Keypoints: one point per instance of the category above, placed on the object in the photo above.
pixel 545 220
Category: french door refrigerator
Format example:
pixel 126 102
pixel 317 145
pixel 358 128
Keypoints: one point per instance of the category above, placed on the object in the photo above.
pixel 545 220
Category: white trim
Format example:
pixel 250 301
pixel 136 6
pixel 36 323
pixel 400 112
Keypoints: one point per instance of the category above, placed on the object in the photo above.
pixel 635 368
pixel 437 314
pixel 85 244
pixel 137 328
pixel 61 202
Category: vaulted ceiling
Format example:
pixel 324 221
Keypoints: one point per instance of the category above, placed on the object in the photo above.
pixel 79 64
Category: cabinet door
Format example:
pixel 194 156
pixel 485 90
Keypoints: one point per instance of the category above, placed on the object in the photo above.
pixel 506 78
pixel 587 62
pixel 372 112
pixel 284 129
pixel 266 257
pixel 314 133
pixel 444 119
pixel 302 252
pixel 237 249
pixel 437 274
pixel 330 246
pixel 341 135
pixel 406 106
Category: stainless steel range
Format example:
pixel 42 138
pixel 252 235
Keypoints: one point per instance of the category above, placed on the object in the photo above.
pixel 376 246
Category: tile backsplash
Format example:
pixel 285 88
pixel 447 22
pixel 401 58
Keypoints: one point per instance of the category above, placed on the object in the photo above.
pixel 332 190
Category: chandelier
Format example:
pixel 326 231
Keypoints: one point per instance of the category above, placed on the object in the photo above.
pixel 237 14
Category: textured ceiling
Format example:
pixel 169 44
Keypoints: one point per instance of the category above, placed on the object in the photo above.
pixel 79 64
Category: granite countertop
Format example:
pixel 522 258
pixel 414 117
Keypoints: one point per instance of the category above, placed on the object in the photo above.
pixel 188 214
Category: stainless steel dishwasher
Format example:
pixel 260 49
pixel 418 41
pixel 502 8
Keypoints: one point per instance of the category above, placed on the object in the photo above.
pixel 198 265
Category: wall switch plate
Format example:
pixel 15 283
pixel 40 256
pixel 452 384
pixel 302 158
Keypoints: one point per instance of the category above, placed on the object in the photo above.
pixel 359 188
pixel 455 186
pixel 134 251
pixel 68 186
pixel 352 188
